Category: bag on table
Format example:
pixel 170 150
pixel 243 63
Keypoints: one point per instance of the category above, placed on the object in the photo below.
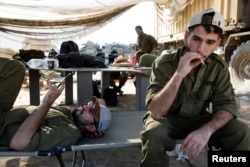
pixel 70 60
pixel 93 61
pixel 68 46
pixel 77 60
pixel 26 55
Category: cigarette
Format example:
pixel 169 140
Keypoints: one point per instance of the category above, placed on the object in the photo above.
pixel 202 61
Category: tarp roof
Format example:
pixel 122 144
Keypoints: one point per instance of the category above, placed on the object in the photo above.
pixel 42 24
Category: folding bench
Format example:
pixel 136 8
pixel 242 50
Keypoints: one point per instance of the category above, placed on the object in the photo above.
pixel 124 132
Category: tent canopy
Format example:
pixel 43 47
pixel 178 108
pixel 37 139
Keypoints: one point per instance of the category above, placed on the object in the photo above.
pixel 44 24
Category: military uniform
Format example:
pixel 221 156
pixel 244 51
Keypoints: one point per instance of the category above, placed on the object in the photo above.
pixel 146 60
pixel 189 109
pixel 146 43
pixel 56 129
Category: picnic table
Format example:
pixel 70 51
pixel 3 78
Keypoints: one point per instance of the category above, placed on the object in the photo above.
pixel 84 83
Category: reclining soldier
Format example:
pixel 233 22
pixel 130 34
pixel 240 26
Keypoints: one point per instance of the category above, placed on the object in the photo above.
pixel 44 127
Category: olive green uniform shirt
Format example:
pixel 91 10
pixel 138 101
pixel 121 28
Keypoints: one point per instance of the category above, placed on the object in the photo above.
pixel 146 60
pixel 211 84
pixel 146 43
pixel 56 129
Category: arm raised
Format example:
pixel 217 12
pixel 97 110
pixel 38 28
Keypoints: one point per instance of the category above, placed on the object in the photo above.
pixel 30 126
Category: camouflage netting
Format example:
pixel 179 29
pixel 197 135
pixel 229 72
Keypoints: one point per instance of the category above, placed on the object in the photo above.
pixel 22 26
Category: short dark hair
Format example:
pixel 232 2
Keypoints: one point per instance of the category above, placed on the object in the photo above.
pixel 138 27
pixel 209 29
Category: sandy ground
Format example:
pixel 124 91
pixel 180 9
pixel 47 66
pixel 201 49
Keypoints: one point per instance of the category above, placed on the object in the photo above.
pixel 123 157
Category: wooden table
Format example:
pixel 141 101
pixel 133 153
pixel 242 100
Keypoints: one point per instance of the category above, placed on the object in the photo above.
pixel 84 83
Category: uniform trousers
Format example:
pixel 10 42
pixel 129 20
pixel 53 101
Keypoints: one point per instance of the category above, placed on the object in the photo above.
pixel 12 74
pixel 158 136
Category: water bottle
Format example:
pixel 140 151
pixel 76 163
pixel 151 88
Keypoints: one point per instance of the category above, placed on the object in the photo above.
pixel 35 63
pixel 106 59
pixel 134 60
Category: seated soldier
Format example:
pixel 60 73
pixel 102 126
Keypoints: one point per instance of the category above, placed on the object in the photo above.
pixel 138 55
pixel 44 127
pixel 183 84
pixel 146 60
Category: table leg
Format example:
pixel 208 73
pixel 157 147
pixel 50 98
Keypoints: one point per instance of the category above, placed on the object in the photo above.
pixel 105 81
pixel 34 87
pixel 142 82
pixel 69 89
pixel 84 86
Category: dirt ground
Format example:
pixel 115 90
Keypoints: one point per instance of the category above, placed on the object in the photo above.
pixel 123 157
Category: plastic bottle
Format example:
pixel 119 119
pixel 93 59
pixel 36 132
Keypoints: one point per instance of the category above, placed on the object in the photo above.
pixel 134 60
pixel 106 58
pixel 35 63
pixel 130 59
